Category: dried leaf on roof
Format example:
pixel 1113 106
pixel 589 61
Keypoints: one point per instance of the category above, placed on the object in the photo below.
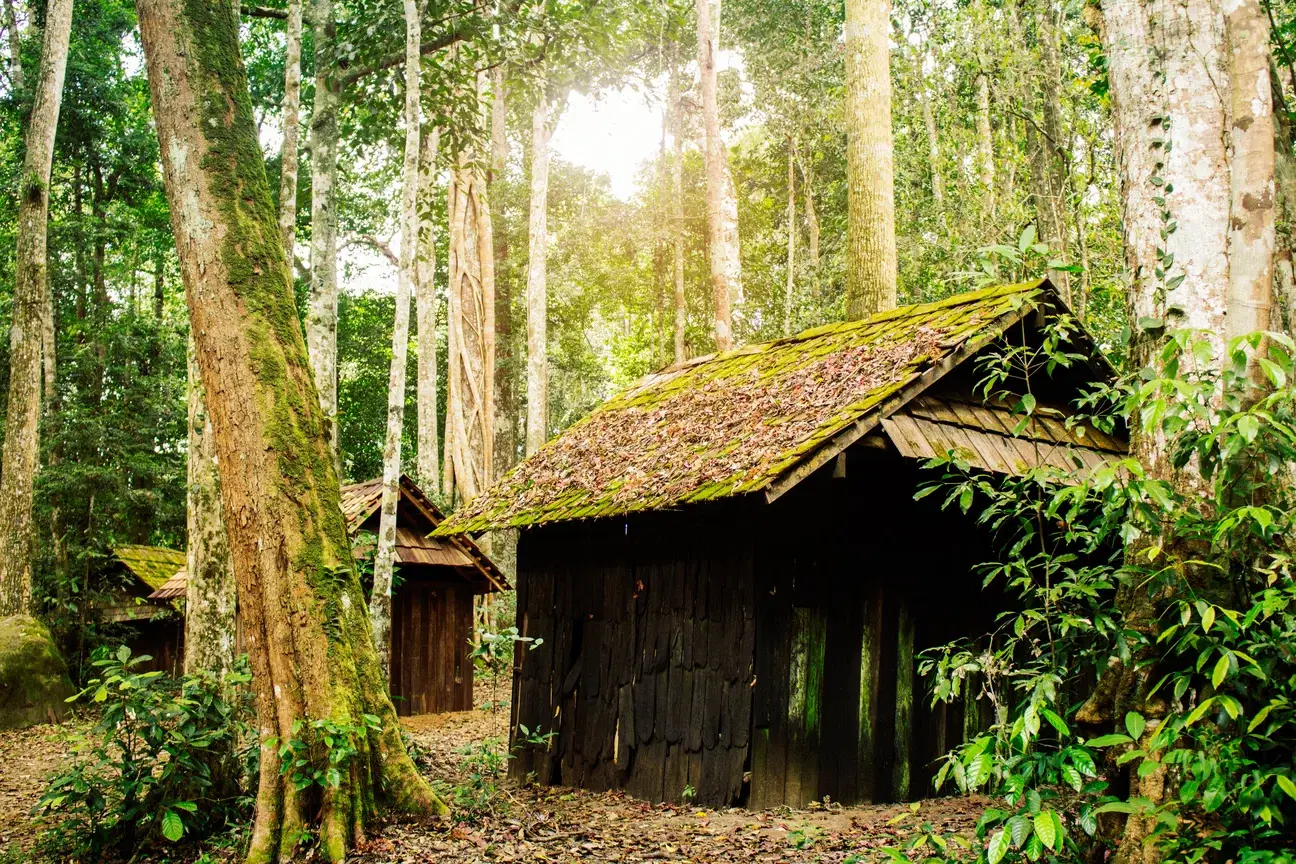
pixel 152 565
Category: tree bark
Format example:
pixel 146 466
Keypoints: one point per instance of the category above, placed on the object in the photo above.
pixel 871 249
pixel 722 221
pixel 933 140
pixel 791 237
pixel 985 142
pixel 385 557
pixel 211 594
pixel 1053 168
pixel 429 461
pixel 1251 237
pixel 306 622
pixel 22 426
pixel 292 125
pixel 504 449
pixel 15 47
pixel 811 217
pixel 322 306
pixel 537 418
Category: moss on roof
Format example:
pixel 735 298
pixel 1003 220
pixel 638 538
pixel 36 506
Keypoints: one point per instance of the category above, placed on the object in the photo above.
pixel 733 423
pixel 152 565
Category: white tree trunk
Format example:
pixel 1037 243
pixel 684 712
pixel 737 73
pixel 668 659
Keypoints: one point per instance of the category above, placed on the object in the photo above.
pixel 677 219
pixel 211 601
pixel 871 249
pixel 22 422
pixel 537 418
pixel 791 237
pixel 385 558
pixel 722 204
pixel 933 138
pixel 811 217
pixel 15 47
pixel 985 142
pixel 1251 238
pixel 291 127
pixel 425 295
pixel 322 307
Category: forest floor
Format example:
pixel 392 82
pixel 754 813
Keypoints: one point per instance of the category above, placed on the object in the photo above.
pixel 498 821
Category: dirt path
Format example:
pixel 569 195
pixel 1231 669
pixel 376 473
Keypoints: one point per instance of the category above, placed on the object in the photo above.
pixel 539 824
pixel 26 756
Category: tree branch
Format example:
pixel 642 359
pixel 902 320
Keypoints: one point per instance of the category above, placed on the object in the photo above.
pixel 381 247
pixel 262 12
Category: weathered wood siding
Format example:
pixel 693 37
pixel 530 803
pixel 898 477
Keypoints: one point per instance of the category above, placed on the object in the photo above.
pixel 431 628
pixel 757 654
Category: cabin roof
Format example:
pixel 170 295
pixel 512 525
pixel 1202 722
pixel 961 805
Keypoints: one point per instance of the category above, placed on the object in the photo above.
pixel 152 565
pixel 758 418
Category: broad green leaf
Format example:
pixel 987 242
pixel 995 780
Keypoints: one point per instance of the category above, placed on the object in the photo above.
pixel 172 827
pixel 1135 723
pixel 1208 618
pixel 1200 711
pixel 1221 671
pixel 998 847
pixel 1108 740
pixel 1285 783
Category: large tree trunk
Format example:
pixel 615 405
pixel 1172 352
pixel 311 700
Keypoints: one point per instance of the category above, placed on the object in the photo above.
pixel 471 291
pixel 211 595
pixel 429 461
pixel 322 307
pixel 22 426
pixel 385 557
pixel 722 217
pixel 291 126
pixel 677 217
pixel 791 237
pixel 870 228
pixel 305 618
pixel 537 418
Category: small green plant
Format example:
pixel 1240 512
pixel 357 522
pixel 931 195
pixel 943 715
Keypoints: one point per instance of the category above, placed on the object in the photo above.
pixel 478 796
pixel 689 793
pixel 320 752
pixel 804 837
pixel 526 737
pixel 165 761
pixel 925 844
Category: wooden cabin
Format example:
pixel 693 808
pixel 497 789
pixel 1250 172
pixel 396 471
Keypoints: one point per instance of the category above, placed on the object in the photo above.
pixel 432 597
pixel 731 575
pixel 153 626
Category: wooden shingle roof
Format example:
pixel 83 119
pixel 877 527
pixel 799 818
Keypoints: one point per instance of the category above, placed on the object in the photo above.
pixel 756 419
pixel 152 567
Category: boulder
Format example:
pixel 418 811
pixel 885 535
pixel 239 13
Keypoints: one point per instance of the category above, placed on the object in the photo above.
pixel 34 683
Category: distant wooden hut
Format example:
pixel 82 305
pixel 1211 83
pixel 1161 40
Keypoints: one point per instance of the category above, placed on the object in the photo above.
pixel 432 602
pixel 731 575
pixel 154 625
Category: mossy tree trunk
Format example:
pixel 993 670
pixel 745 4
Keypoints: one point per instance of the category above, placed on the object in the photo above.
pixel 385 558
pixel 791 237
pixel 291 127
pixel 677 214
pixel 306 622
pixel 322 306
pixel 870 161
pixel 22 421
pixel 211 597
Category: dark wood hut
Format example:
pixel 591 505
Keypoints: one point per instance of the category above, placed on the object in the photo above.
pixel 432 600
pixel 152 626
pixel 731 575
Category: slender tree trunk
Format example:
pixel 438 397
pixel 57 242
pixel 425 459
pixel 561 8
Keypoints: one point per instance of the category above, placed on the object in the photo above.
pixel 1251 237
pixel 870 230
pixel 537 419
pixel 291 127
pixel 722 225
pixel 322 306
pixel 933 139
pixel 791 237
pixel 677 219
pixel 211 595
pixel 385 558
pixel 49 344
pixel 504 449
pixel 811 217
pixel 22 427
pixel 15 47
pixel 985 142
pixel 429 461
pixel 1053 168
pixel 306 622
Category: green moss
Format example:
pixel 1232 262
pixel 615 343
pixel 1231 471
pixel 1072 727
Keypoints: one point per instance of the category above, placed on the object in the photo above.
pixel 34 684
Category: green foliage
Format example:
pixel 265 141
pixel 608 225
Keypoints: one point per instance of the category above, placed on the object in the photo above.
pixel 478 796
pixel 319 753
pixel 168 759
pixel 1202 608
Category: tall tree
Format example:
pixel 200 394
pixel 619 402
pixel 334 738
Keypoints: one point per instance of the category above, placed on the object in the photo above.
pixel 307 625
pixel 291 127
pixel 722 217
pixel 321 313
pixel 211 596
pixel 429 462
pixel 871 248
pixel 504 448
pixel 537 416
pixel 677 212
pixel 385 558
pixel 22 427
pixel 15 47
pixel 791 237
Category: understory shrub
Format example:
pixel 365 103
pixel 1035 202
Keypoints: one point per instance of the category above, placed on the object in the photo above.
pixel 1143 687
pixel 169 760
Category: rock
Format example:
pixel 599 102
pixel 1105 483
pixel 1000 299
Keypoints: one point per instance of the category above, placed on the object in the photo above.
pixel 34 683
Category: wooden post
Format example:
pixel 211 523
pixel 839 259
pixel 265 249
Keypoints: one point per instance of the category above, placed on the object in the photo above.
pixel 805 705
pixel 904 700
pixel 870 678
